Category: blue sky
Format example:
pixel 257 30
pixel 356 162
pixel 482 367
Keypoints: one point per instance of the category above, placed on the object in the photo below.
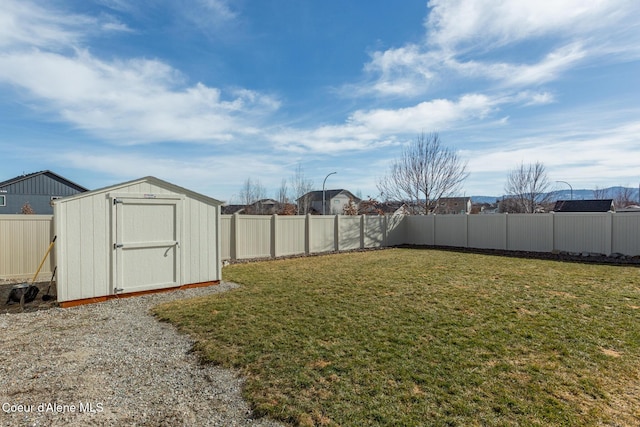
pixel 208 93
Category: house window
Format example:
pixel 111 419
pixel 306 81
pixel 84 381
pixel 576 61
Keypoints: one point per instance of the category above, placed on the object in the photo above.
pixel 3 200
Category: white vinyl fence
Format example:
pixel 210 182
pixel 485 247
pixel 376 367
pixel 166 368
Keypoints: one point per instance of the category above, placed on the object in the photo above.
pixel 255 236
pixel 260 236
pixel 25 238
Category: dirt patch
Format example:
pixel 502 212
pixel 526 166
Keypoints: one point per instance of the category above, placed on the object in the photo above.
pixel 35 305
pixel 610 352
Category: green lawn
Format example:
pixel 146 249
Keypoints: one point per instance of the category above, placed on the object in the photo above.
pixel 424 337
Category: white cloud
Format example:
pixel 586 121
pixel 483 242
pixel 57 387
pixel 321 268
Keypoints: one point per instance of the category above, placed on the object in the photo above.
pixel 23 23
pixel 130 101
pixel 519 75
pixel 485 40
pixel 369 129
pixel 486 24
pixel 585 158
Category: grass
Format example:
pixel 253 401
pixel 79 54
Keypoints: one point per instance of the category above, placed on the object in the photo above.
pixel 414 337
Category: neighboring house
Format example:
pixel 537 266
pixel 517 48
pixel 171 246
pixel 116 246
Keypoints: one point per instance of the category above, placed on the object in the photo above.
pixel 630 208
pixel 601 205
pixel 486 208
pixel 232 209
pixel 264 207
pixel 37 189
pixel 452 205
pixel 260 207
pixel 335 201
pixel 397 208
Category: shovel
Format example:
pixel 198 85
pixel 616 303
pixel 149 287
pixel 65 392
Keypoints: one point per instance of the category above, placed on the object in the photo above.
pixel 43 259
pixel 47 297
pixel 24 292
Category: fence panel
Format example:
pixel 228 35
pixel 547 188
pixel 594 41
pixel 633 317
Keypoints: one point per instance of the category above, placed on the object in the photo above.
pixel 225 237
pixel 322 234
pixel 420 230
pixel 374 231
pixel 451 230
pixel 625 237
pixel 24 240
pixel 582 232
pixel 349 232
pixel 253 236
pixel 396 230
pixel 487 231
pixel 290 235
pixel 529 232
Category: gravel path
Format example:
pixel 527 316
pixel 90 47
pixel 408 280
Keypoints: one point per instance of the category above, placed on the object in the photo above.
pixel 113 363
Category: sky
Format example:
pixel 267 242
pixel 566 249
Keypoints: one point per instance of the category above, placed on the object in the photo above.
pixel 209 93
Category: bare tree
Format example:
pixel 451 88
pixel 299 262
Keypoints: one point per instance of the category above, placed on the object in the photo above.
pixel 624 197
pixel 285 207
pixel 599 193
pixel 301 186
pixel 251 192
pixel 283 193
pixel 527 187
pixel 425 172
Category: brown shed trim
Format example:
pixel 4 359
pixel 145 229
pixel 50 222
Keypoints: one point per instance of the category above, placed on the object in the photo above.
pixel 77 302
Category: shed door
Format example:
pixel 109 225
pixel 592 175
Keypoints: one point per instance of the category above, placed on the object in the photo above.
pixel 147 243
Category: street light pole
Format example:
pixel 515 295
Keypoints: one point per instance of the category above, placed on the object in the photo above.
pixel 323 197
pixel 565 182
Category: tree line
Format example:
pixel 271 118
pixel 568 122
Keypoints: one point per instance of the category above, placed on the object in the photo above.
pixel 426 171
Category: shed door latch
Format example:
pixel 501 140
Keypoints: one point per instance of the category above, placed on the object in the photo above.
pixel 116 201
pixel 117 245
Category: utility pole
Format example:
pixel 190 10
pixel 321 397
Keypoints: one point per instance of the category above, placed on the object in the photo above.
pixel 324 212
pixel 565 182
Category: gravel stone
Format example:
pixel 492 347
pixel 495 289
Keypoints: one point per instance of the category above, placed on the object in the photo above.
pixel 113 363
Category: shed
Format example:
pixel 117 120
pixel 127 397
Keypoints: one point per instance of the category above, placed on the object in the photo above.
pixel 136 237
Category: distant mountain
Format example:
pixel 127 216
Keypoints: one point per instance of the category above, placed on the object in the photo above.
pixel 565 194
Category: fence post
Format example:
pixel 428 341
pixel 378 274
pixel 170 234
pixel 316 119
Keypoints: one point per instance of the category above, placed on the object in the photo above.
pixel 274 234
pixel 307 234
pixel 553 233
pixel 385 231
pixel 234 237
pixel 466 230
pixel 336 233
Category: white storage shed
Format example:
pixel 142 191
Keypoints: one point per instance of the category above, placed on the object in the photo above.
pixel 140 236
